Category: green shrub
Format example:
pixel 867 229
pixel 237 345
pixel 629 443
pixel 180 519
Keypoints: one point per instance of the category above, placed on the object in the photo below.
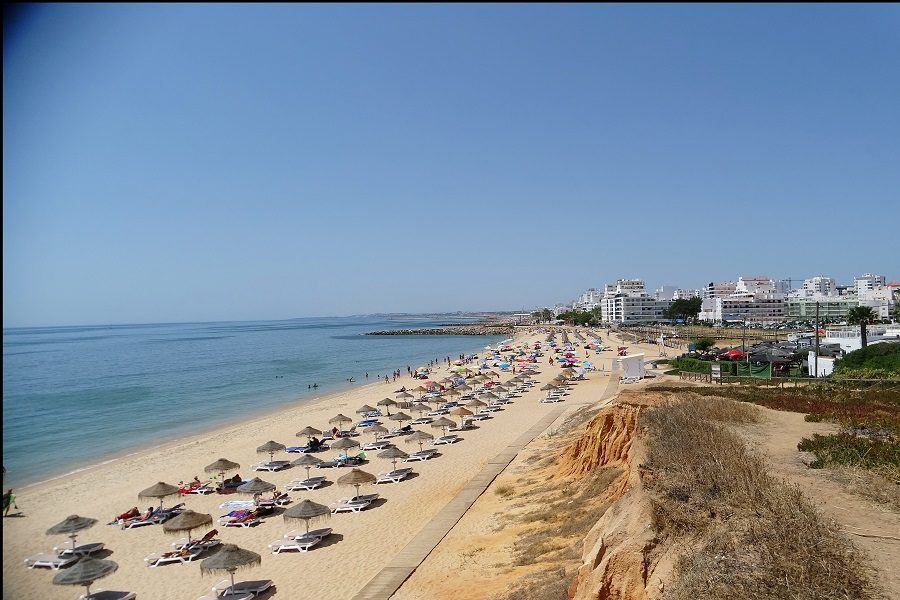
pixel 880 357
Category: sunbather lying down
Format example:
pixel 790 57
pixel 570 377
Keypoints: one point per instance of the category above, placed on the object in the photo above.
pixel 133 515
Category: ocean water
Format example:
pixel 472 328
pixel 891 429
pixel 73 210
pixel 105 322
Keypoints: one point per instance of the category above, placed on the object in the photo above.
pixel 73 396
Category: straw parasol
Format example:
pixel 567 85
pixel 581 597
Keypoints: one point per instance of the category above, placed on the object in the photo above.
pixel 464 387
pixel 256 486
pixel 344 443
pixel 70 526
pixel 393 454
pixel 387 403
pixel 271 448
pixel 421 389
pixel 404 395
pixel 419 437
pixel 461 411
pixel 85 572
pixel 490 395
pixel 159 490
pixel 338 419
pixel 187 521
pixel 230 558
pixel 476 403
pixel 221 466
pixel 356 478
pixel 307 510
pixel 307 461
pixel 443 423
pixel 400 416
pixel 308 431
pixel 376 429
pixel 452 392
pixel 548 386
pixel 364 409
pixel 420 408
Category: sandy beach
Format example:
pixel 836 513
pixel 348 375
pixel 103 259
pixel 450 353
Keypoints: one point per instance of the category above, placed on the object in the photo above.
pixel 363 542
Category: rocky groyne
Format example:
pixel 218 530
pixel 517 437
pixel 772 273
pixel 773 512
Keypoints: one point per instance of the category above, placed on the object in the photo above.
pixel 498 329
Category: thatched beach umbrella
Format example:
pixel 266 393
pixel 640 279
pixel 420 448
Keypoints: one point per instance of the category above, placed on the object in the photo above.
pixel 308 511
pixel 461 411
pixel 548 386
pixel 401 416
pixel 375 430
pixel 490 395
pixel 187 521
pixel 404 395
pixel 345 443
pixel 270 448
pixel 221 466
pixel 256 486
pixel 309 431
pixel 70 526
pixel 443 423
pixel 393 454
pixel 160 490
pixel 420 408
pixel 421 389
pixel 464 388
pixel 85 572
pixel 356 478
pixel 364 409
pixel 230 558
pixel 453 393
pixel 307 461
pixel 476 404
pixel 387 403
pixel 339 420
pixel 419 437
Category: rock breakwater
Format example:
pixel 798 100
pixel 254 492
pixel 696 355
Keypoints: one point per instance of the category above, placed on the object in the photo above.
pixel 500 329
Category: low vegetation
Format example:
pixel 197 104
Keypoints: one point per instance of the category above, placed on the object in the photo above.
pixel 754 537
pixel 878 361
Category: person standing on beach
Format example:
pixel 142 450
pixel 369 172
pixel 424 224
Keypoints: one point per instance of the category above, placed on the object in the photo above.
pixel 9 499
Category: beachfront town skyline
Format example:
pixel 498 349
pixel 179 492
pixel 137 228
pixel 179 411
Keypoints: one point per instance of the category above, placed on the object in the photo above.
pixel 750 299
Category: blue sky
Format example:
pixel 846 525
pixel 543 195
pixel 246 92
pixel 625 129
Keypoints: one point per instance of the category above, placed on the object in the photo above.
pixel 213 162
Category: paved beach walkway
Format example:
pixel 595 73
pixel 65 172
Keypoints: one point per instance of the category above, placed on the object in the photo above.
pixel 391 577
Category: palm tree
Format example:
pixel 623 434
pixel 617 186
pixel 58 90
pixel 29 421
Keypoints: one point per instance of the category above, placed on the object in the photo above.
pixel 862 316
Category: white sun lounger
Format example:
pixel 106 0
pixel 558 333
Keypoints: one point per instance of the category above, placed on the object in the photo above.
pixel 282 500
pixel 182 542
pixel 421 421
pixel 156 559
pixel 300 544
pixel 354 504
pixel 305 484
pixel 295 534
pixel 446 439
pixel 480 417
pixel 250 523
pixel 204 489
pixel 80 550
pixel 240 596
pixel 421 455
pixel 108 595
pixel 224 588
pixel 51 560
pixel 379 445
pixel 274 465
pixel 394 476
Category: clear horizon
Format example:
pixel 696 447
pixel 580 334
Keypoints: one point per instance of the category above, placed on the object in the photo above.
pixel 205 163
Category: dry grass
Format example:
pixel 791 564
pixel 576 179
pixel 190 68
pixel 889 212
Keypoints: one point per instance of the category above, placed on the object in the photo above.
pixel 756 538
pixel 880 485
pixel 504 490
pixel 550 584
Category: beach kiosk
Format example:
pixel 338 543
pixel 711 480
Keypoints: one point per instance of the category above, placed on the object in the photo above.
pixel 632 366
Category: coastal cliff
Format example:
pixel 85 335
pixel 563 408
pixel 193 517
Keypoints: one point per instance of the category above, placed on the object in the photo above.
pixel 621 556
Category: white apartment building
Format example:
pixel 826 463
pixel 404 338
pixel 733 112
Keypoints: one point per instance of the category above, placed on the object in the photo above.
pixel 718 289
pixel 685 294
pixel 819 285
pixel 758 284
pixel 666 292
pixel 589 300
pixel 745 308
pixel 868 282
pixel 627 302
